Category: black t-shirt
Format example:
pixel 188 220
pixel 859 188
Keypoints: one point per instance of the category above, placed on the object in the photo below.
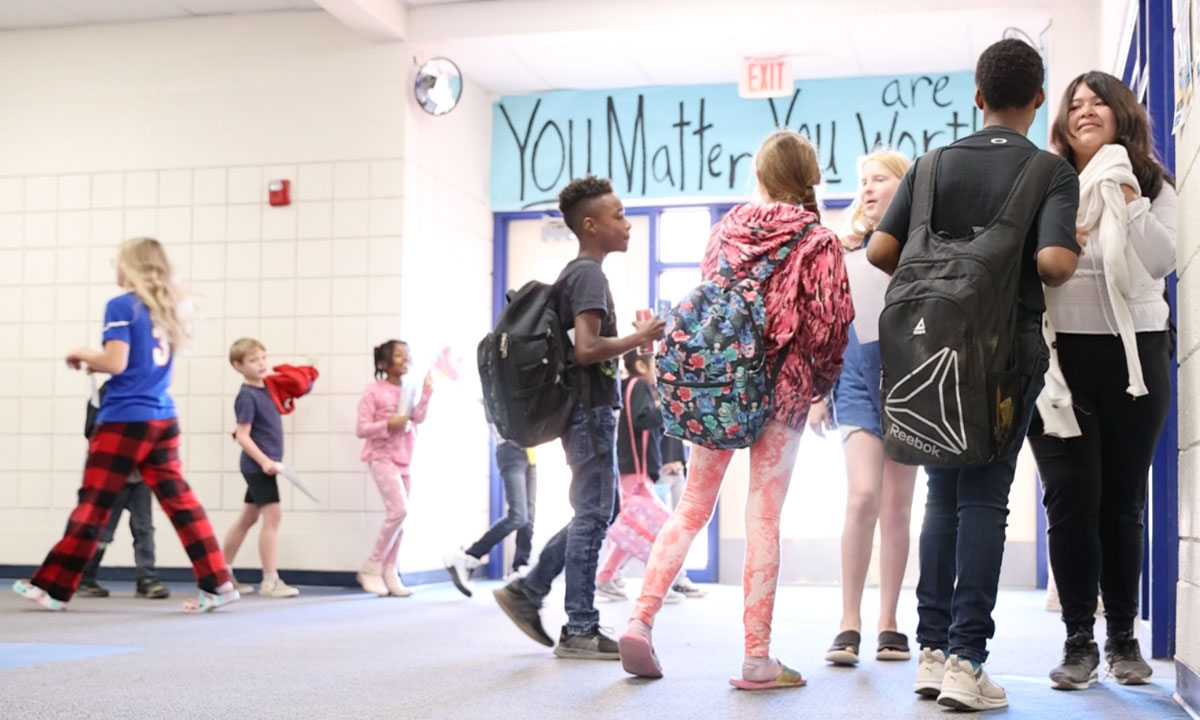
pixel 974 178
pixel 582 286
pixel 646 416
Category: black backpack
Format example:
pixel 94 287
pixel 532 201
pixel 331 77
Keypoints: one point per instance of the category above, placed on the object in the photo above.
pixel 523 368
pixel 951 388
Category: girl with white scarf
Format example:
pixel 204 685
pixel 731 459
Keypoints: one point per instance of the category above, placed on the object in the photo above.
pixel 1108 387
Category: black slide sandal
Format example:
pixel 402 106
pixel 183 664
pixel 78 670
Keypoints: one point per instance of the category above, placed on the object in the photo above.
pixel 844 650
pixel 892 646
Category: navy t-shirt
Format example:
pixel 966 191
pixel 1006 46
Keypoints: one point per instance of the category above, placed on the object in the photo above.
pixel 255 406
pixel 139 394
pixel 582 286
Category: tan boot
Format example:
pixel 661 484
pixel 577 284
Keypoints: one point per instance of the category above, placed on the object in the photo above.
pixel 370 576
pixel 391 578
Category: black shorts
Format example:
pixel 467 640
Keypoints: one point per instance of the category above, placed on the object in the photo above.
pixel 261 489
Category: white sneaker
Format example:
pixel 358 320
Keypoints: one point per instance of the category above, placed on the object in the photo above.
pixel 610 591
pixel 242 588
pixel 519 573
pixel 930 669
pixel 965 688
pixel 277 588
pixel 686 587
pixel 673 597
pixel 370 577
pixel 459 564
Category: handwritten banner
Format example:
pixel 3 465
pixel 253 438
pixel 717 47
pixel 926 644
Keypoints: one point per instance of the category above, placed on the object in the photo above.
pixel 673 143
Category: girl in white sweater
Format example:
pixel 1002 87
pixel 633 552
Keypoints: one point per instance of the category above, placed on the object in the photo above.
pixel 1113 345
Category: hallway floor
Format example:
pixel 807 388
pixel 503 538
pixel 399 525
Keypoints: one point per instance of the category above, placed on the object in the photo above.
pixel 341 654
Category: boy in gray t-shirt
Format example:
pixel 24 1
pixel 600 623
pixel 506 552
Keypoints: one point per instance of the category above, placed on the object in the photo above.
pixel 260 433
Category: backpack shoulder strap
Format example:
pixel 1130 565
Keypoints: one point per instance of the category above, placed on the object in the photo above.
pixel 1026 197
pixel 924 184
pixel 639 463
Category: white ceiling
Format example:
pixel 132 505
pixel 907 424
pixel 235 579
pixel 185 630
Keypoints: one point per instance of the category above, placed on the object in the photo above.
pixel 711 53
pixel 18 14
pixel 518 47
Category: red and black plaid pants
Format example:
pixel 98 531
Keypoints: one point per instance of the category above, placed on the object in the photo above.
pixel 116 450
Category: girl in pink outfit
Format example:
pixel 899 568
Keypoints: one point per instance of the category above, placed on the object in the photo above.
pixel 808 306
pixel 387 420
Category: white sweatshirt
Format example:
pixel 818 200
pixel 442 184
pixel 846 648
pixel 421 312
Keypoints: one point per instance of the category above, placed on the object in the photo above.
pixel 1141 258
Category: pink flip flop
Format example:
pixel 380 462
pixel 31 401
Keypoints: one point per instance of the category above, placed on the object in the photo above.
pixel 787 678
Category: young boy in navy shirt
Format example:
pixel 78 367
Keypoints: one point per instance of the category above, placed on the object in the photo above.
pixel 260 433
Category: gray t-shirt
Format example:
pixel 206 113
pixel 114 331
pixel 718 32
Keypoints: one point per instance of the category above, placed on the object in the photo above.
pixel 254 405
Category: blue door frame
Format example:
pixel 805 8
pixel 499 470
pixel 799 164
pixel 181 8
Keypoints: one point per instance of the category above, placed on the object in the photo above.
pixel 1149 68
pixel 711 571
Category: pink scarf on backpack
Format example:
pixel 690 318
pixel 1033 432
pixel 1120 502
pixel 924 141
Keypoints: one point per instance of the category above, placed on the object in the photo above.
pixel 807 297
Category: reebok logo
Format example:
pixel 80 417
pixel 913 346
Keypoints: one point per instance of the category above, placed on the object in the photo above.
pixel 920 328
pixel 925 407
pixel 918 443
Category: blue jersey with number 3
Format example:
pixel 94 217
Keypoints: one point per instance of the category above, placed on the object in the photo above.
pixel 140 393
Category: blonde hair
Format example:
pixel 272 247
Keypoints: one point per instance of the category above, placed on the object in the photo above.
pixel 788 170
pixel 146 267
pixel 896 165
pixel 243 347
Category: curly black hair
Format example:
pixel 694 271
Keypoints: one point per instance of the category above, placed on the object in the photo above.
pixel 1009 74
pixel 575 198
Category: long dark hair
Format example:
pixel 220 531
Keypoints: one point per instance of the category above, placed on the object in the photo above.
pixel 1133 129
pixel 383 357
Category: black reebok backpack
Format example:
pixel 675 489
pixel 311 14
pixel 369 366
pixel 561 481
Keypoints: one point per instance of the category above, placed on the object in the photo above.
pixel 523 368
pixel 951 389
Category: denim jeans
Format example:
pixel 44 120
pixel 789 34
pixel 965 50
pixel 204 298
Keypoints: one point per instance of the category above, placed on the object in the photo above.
pixel 135 497
pixel 591 450
pixel 962 537
pixel 520 491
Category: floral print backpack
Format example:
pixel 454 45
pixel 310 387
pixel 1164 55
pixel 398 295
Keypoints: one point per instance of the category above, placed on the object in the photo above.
pixel 713 377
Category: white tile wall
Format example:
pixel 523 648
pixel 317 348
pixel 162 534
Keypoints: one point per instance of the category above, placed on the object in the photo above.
pixel 1187 164
pixel 320 277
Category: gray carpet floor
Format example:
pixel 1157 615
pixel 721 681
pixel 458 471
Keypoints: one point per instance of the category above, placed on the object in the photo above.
pixel 343 654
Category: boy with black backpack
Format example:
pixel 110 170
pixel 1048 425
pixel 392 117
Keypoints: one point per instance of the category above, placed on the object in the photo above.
pixel 584 307
pixel 973 231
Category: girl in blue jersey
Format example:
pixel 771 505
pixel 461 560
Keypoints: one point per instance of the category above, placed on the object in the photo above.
pixel 136 429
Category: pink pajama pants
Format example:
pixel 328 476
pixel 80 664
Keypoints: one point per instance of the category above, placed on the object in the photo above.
pixel 394 483
pixel 771 460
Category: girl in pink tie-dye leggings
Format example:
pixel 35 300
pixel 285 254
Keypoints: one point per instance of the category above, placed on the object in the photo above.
pixel 808 307
pixel 387 420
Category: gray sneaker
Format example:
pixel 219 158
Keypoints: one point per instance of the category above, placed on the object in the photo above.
pixel 1124 657
pixel 524 613
pixel 1077 671
pixel 594 646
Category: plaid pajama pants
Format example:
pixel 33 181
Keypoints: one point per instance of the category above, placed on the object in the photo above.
pixel 115 451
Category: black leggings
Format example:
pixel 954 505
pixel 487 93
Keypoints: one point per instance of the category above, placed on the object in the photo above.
pixel 1095 484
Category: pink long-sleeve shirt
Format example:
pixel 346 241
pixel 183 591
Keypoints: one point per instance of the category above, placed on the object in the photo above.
pixel 380 401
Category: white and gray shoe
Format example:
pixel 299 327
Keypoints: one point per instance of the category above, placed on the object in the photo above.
pixel 931 666
pixel 609 591
pixel 459 564
pixel 966 688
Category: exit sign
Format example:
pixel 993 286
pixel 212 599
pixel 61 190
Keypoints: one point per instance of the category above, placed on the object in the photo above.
pixel 766 78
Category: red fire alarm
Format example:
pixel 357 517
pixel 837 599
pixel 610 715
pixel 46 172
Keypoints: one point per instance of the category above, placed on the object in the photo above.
pixel 280 192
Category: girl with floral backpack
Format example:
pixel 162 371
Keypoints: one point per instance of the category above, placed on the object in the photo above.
pixel 798 267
